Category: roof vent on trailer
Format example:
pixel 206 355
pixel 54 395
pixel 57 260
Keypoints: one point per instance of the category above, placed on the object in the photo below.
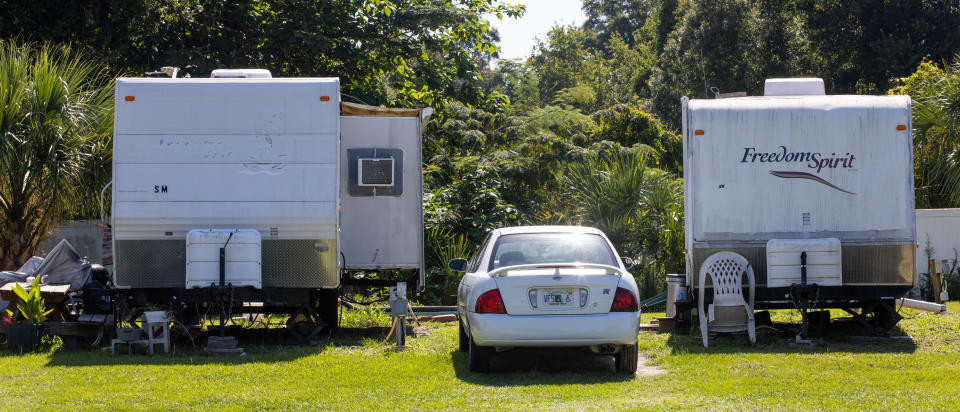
pixel 794 87
pixel 240 74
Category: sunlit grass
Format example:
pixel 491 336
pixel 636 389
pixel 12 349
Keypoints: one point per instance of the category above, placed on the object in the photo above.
pixel 363 318
pixel 361 374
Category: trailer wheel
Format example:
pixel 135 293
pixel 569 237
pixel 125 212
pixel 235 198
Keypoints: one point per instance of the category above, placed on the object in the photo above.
pixel 328 303
pixel 885 315
pixel 464 340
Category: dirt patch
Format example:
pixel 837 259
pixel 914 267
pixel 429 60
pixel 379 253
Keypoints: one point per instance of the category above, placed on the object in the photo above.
pixel 644 368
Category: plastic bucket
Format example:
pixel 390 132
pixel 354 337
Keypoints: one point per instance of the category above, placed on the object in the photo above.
pixel 675 291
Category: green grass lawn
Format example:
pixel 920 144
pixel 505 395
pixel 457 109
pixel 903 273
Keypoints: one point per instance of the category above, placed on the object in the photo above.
pixel 354 374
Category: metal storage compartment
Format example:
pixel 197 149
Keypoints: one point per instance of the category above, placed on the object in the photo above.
pixel 381 189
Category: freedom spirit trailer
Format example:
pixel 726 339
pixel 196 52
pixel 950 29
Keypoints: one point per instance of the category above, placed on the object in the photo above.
pixel 245 188
pixel 810 189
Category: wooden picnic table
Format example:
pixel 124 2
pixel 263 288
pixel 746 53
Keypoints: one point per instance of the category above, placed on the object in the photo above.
pixel 75 331
pixel 55 297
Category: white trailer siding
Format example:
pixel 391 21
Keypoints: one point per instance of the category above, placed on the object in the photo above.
pixel 224 154
pixel 762 168
pixel 242 149
pixel 855 138
pixel 227 106
pixel 937 233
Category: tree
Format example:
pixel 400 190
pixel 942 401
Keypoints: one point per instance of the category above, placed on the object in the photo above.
pixel 471 205
pixel 412 52
pixel 56 106
pixel 630 126
pixel 638 207
pixel 936 137
pixel 562 61
pixel 856 46
pixel 616 18
pixel 111 30
pixel 861 45
pixel 728 45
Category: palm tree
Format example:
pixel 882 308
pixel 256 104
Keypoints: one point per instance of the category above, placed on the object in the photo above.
pixel 55 113
pixel 936 121
pixel 640 208
pixel 607 193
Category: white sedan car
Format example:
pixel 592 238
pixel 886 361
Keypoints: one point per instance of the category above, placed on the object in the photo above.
pixel 547 286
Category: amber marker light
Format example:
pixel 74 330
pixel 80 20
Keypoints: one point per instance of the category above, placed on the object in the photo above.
pixel 129 98
pixel 698 132
pixel 324 98
pixel 901 127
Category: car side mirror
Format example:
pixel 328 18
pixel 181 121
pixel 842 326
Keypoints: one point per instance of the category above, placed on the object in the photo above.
pixel 627 262
pixel 458 265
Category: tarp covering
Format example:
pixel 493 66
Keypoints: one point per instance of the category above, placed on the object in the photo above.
pixel 21 275
pixel 354 109
pixel 62 266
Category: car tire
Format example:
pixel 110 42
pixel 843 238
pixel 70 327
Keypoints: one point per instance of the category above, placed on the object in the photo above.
pixel 626 360
pixel 479 357
pixel 464 340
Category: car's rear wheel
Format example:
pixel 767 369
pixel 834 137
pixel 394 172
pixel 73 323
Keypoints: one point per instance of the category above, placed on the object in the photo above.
pixel 479 357
pixel 464 340
pixel 626 360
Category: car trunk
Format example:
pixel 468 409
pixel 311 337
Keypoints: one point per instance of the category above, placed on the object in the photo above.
pixel 558 291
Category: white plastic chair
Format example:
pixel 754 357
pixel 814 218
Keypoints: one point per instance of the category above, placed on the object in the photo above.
pixel 726 270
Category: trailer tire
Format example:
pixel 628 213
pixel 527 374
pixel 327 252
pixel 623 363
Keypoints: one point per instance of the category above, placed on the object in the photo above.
pixel 885 315
pixel 463 340
pixel 626 360
pixel 479 357
pixel 328 302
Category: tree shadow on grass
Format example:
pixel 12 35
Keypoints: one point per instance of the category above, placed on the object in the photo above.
pixel 260 345
pixel 842 335
pixel 536 366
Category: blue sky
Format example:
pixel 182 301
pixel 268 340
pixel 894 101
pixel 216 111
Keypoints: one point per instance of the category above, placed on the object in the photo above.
pixel 517 36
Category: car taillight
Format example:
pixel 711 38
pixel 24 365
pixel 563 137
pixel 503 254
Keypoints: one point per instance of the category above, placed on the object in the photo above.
pixel 623 301
pixel 490 302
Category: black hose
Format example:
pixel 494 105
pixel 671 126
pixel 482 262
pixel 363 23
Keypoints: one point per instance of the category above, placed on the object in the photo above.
pixel 368 303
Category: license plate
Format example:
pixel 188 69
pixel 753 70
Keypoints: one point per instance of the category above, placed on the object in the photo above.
pixel 557 298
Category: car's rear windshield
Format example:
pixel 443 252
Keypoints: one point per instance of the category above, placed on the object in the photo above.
pixel 536 248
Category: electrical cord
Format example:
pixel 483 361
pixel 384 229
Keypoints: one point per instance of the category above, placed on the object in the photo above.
pixel 393 328
pixel 367 303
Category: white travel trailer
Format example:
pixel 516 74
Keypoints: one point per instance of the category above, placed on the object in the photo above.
pixel 289 184
pixel 798 171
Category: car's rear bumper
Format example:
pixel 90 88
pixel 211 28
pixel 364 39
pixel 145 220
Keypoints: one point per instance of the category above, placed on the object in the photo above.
pixel 617 328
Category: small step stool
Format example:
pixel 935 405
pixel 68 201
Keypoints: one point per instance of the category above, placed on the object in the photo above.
pixel 130 344
pixel 156 325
